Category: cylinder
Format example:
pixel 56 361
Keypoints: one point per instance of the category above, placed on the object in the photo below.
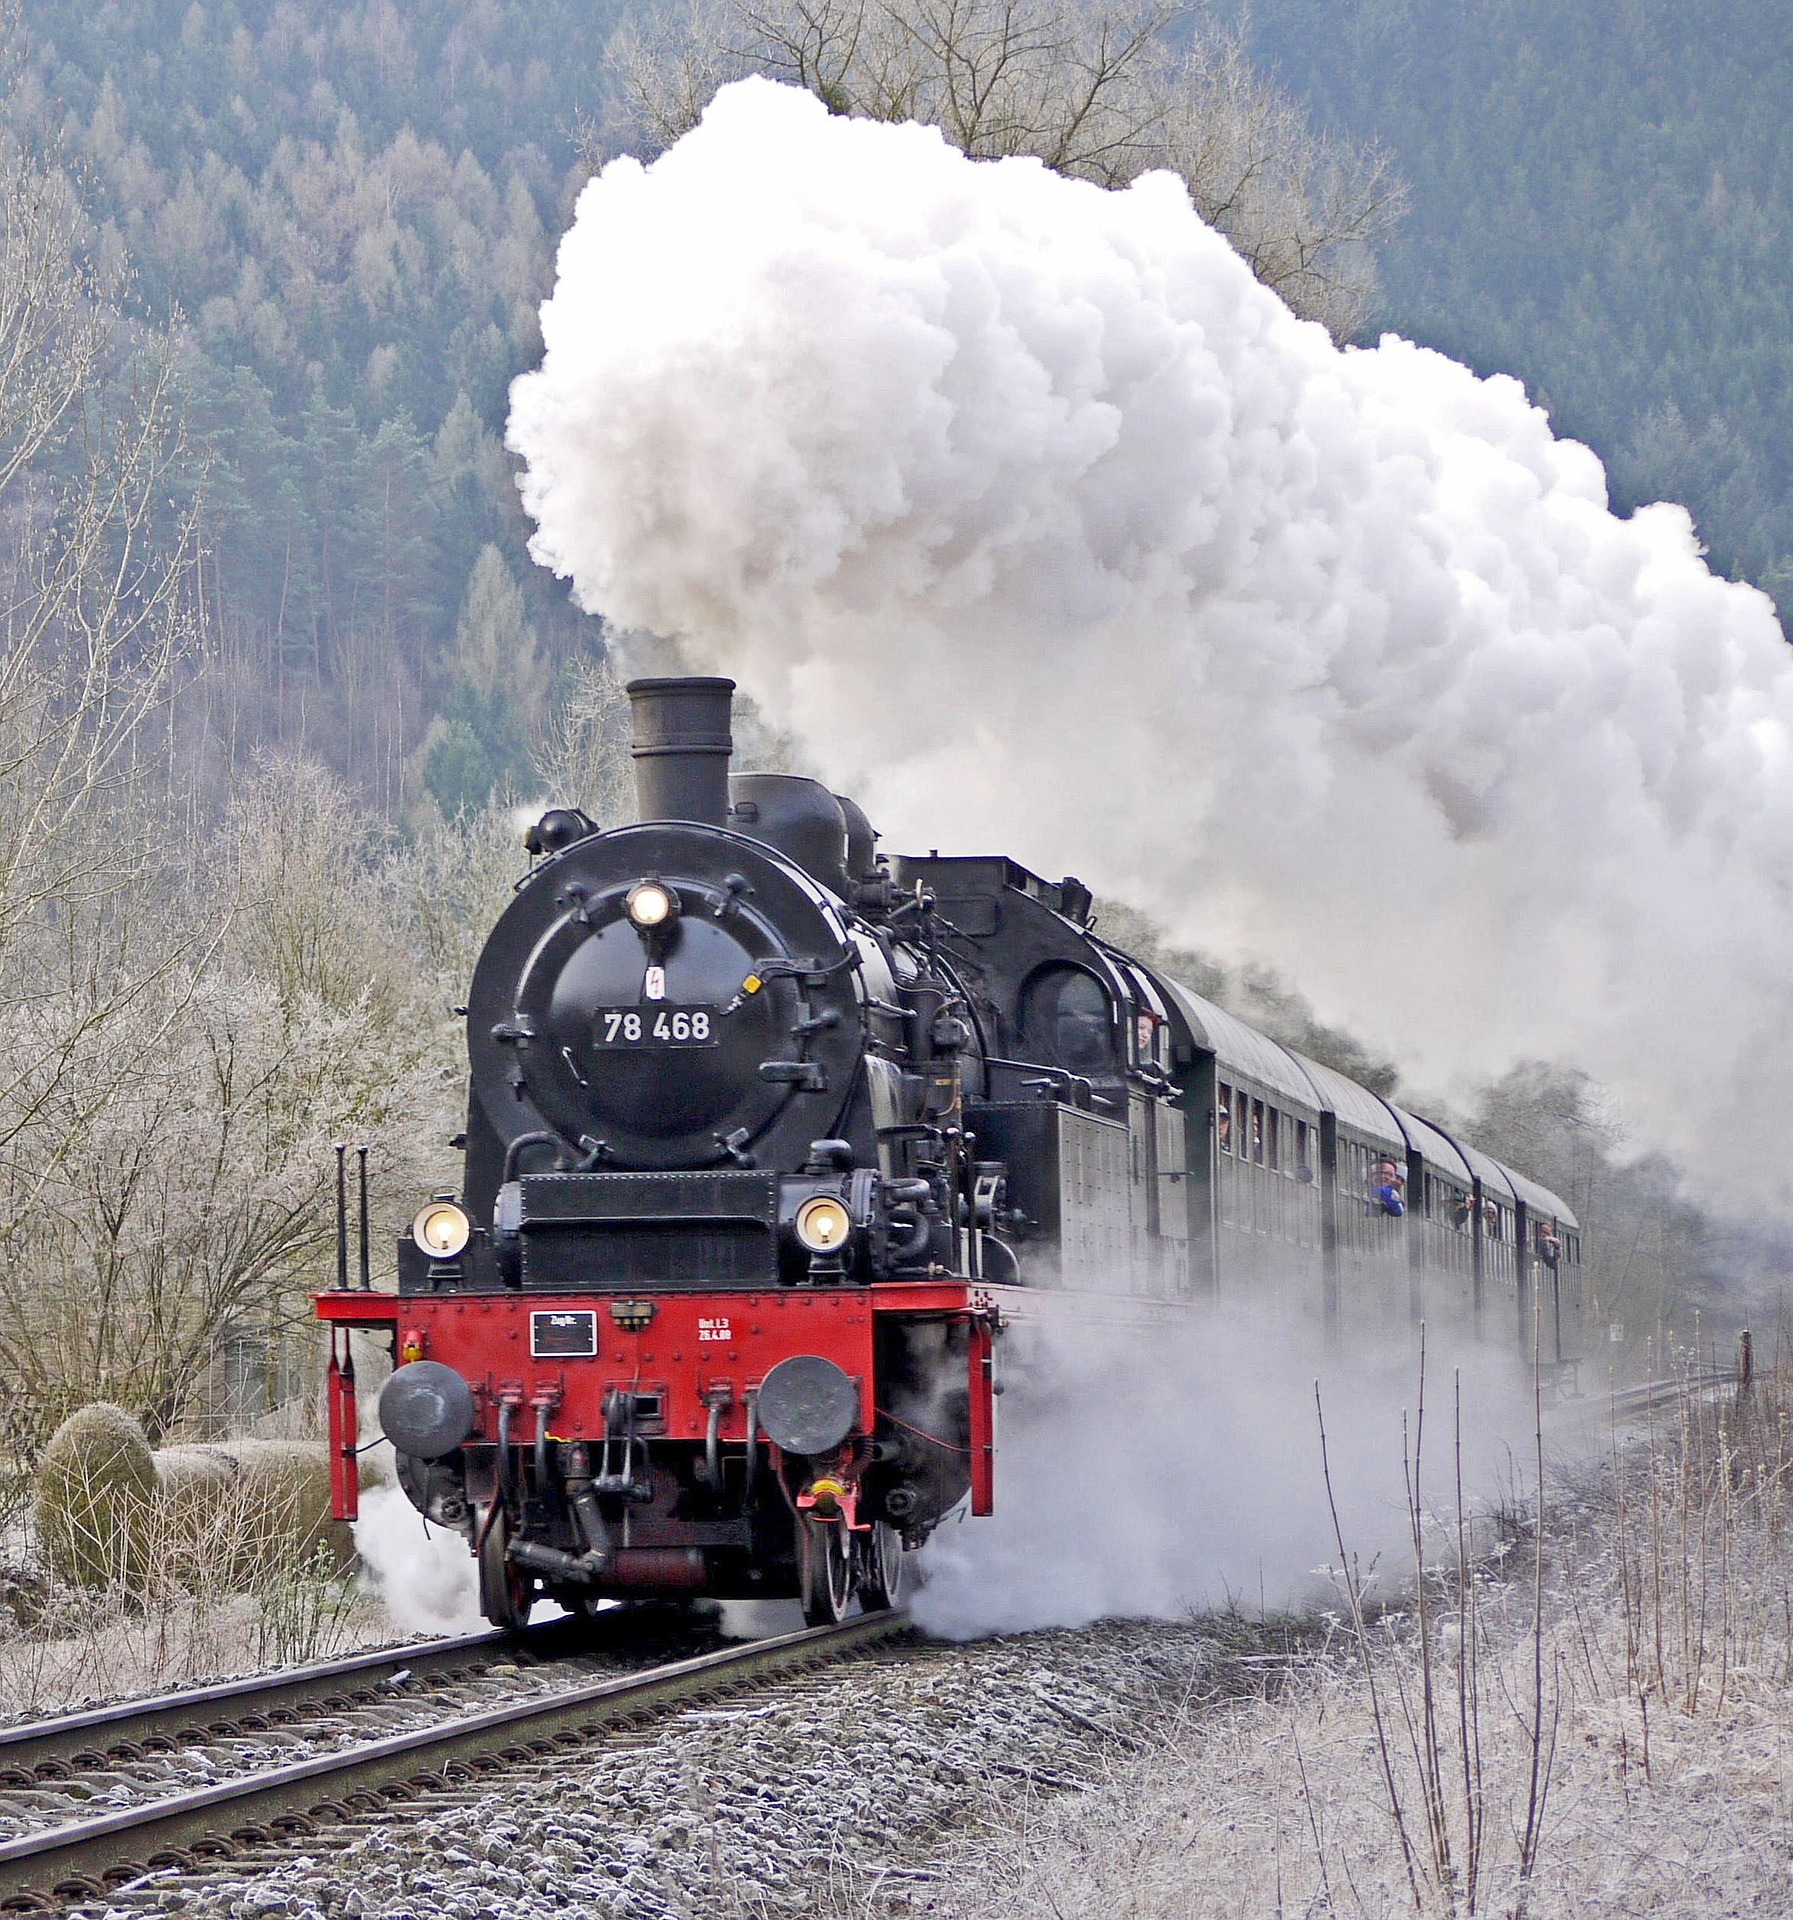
pixel 681 748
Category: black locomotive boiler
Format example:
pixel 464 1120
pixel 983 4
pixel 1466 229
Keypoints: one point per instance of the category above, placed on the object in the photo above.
pixel 771 1139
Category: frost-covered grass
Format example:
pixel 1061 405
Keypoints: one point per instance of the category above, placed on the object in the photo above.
pixel 1637 1726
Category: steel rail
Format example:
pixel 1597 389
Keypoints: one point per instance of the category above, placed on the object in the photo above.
pixel 51 1748
pixel 1653 1394
pixel 263 1699
pixel 86 1859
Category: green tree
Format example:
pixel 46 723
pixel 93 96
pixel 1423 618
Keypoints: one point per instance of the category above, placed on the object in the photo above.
pixel 495 700
pixel 1602 204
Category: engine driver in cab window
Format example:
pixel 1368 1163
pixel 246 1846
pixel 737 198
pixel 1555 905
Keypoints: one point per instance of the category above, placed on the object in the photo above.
pixel 1067 1021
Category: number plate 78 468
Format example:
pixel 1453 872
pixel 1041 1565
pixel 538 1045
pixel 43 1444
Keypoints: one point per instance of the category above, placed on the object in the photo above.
pixel 655 1025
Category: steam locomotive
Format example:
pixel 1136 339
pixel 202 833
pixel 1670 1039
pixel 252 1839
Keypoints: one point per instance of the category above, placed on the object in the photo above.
pixel 772 1140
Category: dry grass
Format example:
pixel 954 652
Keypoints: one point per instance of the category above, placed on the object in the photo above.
pixel 1596 1718
pixel 190 1564
pixel 101 1649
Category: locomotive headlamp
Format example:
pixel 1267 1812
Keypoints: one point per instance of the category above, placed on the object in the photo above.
pixel 651 905
pixel 823 1224
pixel 441 1230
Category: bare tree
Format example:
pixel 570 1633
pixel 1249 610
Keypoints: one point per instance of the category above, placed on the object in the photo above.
pixel 193 1206
pixel 1101 90
pixel 93 620
pixel 583 755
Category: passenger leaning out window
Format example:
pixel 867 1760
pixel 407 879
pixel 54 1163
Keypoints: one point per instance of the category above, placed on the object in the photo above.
pixel 1388 1190
pixel 1550 1248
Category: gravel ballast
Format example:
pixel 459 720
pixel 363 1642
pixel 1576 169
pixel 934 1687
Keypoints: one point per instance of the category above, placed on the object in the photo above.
pixel 774 1801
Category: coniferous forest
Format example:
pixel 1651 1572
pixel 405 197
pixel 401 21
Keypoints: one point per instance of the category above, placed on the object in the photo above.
pixel 346 217
pixel 1601 202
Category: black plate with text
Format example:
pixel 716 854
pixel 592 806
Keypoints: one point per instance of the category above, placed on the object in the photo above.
pixel 658 1024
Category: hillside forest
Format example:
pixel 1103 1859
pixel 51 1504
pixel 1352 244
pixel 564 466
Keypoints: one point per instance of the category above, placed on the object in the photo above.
pixel 280 671
pixel 1599 200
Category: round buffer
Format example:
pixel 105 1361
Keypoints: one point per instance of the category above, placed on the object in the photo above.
pixel 807 1404
pixel 426 1409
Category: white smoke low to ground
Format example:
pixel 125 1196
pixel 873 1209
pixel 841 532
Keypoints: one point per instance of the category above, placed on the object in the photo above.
pixel 424 1575
pixel 1152 1477
pixel 1051 531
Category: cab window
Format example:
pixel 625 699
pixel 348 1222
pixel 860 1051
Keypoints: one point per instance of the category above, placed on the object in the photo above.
pixel 1067 1021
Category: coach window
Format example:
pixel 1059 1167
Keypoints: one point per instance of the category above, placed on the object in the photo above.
pixel 1272 1159
pixel 1223 1119
pixel 1149 1036
pixel 1257 1133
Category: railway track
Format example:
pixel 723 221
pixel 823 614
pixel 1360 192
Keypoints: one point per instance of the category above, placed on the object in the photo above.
pixel 1655 1395
pixel 64 1861
pixel 46 1750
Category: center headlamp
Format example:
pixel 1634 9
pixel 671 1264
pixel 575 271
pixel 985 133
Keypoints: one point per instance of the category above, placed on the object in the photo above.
pixel 441 1230
pixel 651 906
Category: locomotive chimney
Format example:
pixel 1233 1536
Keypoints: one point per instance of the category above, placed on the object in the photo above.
pixel 682 746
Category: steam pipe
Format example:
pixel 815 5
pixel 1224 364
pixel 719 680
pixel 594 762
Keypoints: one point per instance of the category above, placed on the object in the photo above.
pixel 586 1513
pixel 342 1217
pixel 504 1454
pixel 681 748
pixel 713 1438
pixel 366 1271
pixel 753 1447
pixel 514 1152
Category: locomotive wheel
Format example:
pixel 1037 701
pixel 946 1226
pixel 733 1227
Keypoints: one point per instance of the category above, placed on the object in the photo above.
pixel 883 1569
pixel 505 1595
pixel 827 1553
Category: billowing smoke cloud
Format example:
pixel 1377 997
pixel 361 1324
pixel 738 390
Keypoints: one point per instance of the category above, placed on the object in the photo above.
pixel 1190 1476
pixel 1051 531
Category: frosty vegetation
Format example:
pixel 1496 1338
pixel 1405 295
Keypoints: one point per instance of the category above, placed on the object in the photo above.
pixel 1587 1717
pixel 1102 93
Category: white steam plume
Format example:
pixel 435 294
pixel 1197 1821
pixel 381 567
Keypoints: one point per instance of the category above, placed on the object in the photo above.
pixel 1052 532
pixel 1185 1473
pixel 424 1574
